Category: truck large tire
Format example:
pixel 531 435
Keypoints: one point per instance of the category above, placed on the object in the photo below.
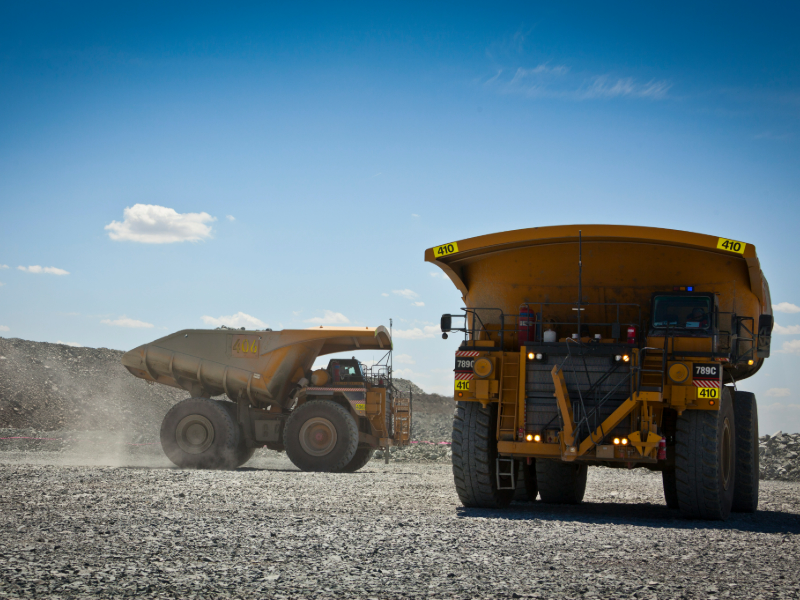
pixel 475 457
pixel 670 488
pixel 198 433
pixel 321 435
pixel 361 458
pixel 561 482
pixel 745 487
pixel 243 453
pixel 527 489
pixel 705 461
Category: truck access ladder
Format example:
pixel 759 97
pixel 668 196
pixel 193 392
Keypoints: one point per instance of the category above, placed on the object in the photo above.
pixel 651 373
pixel 509 400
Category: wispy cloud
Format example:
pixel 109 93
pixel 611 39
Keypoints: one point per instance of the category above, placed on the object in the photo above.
pixel 417 304
pixel 416 333
pixel 3 266
pixel 771 135
pixel 779 392
pixel 404 359
pixel 127 322
pixel 560 81
pixel 230 217
pixel 240 319
pixel 407 294
pixel 329 318
pixel 792 347
pixel 786 307
pixel 5 328
pixel 39 270
pixel 790 330
pixel 153 224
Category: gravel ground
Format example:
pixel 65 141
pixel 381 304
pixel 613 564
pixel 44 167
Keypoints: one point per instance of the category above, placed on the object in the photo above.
pixel 396 531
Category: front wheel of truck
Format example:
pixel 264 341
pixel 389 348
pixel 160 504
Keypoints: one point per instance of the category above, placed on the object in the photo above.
pixel 705 461
pixel 320 435
pixel 361 458
pixel 475 457
pixel 198 433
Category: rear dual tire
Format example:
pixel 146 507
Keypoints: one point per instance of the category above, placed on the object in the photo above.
pixel 199 433
pixel 561 482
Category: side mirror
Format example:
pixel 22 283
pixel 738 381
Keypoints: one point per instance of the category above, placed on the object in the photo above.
pixel 765 324
pixel 446 323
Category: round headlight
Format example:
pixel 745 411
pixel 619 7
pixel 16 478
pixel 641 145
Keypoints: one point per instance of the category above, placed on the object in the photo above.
pixel 483 367
pixel 678 372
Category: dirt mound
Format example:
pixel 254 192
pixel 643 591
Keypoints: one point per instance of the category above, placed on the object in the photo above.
pixel 53 386
pixel 779 456
pixel 49 387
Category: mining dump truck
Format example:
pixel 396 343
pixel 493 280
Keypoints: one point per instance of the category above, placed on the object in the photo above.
pixel 330 419
pixel 611 346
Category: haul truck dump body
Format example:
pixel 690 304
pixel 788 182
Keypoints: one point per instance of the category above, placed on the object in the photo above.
pixel 607 345
pixel 327 420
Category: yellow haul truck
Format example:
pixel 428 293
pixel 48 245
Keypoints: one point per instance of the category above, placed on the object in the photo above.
pixel 606 345
pixel 330 419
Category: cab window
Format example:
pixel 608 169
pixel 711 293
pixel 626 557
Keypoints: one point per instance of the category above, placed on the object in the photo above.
pixel 683 312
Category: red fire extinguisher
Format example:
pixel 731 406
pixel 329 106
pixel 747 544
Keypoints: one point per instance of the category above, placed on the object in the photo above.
pixel 526 325
pixel 662 449
pixel 633 334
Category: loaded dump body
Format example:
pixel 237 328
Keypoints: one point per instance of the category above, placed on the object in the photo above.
pixel 598 345
pixel 267 376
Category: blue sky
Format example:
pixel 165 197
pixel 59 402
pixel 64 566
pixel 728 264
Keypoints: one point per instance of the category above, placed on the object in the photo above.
pixel 301 158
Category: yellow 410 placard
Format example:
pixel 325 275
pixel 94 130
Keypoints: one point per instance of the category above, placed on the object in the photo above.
pixel 462 385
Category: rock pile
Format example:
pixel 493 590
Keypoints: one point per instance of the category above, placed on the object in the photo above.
pixel 429 452
pixel 50 387
pixel 779 456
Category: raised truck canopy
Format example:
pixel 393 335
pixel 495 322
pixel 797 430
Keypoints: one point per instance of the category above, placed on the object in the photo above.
pixel 263 365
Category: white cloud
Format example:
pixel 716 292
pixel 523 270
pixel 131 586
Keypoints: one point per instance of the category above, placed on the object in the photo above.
pixel 404 359
pixel 152 224
pixel 790 330
pixel 792 347
pixel 438 274
pixel 230 217
pixel 329 318
pixel 415 333
pixel 385 294
pixel 240 319
pixel 297 313
pixel 602 87
pixel 407 294
pixel 786 307
pixel 73 344
pixel 417 304
pixel 5 328
pixel 558 81
pixel 127 322
pixel 1 284
pixel 778 392
pixel 3 266
pixel 39 270
pixel 414 215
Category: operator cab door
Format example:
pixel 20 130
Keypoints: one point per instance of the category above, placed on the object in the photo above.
pixel 346 371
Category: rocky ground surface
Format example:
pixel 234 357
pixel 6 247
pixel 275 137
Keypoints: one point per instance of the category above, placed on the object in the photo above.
pixel 396 531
